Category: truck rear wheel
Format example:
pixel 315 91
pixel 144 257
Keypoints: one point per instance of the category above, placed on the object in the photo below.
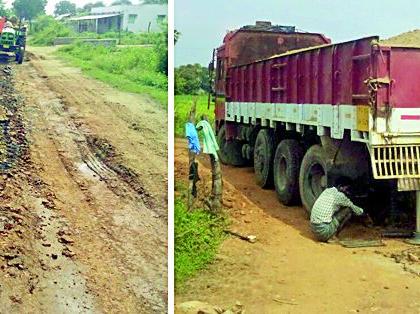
pixel 230 152
pixel 312 176
pixel 286 165
pixel 263 158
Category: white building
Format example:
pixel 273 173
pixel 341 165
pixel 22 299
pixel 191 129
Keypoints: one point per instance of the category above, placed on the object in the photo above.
pixel 137 18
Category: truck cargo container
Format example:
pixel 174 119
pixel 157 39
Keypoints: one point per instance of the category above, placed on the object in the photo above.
pixel 310 114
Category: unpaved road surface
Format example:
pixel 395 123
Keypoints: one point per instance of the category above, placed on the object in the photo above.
pixel 286 270
pixel 83 217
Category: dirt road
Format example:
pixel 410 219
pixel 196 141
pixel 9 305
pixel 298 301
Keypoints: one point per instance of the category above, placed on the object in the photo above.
pixel 286 271
pixel 83 218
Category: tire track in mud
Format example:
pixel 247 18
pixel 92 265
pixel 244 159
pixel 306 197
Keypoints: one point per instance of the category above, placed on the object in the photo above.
pixel 100 149
pixel 131 235
pixel 37 274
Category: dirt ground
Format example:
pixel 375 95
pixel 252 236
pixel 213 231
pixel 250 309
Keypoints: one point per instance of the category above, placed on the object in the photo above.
pixel 83 217
pixel 286 270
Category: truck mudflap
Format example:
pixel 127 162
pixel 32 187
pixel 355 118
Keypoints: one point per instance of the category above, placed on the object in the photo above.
pixel 396 162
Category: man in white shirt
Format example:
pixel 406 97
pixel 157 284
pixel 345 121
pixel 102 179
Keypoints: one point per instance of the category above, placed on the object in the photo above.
pixel 331 211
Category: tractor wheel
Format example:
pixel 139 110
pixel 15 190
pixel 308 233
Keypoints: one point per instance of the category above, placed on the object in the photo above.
pixel 312 176
pixel 20 56
pixel 286 165
pixel 230 152
pixel 263 158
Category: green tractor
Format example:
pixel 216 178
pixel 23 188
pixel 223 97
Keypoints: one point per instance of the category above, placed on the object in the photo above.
pixel 13 42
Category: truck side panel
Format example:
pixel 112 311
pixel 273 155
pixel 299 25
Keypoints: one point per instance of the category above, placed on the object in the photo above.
pixel 327 75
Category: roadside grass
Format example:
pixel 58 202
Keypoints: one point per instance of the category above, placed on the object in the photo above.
pixel 183 105
pixel 127 38
pixel 46 29
pixel 198 235
pixel 132 69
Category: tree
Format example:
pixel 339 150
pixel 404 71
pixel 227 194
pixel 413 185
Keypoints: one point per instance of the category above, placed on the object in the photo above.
pixel 64 7
pixel 88 7
pixel 2 8
pixel 98 4
pixel 122 2
pixel 29 9
pixel 155 1
pixel 191 79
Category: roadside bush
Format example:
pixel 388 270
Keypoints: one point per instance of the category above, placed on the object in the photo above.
pixel 132 68
pixel 161 49
pixel 127 38
pixel 198 235
pixel 46 29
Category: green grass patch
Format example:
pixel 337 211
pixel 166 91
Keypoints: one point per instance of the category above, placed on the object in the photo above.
pixel 126 38
pixel 46 29
pixel 198 235
pixel 183 105
pixel 131 69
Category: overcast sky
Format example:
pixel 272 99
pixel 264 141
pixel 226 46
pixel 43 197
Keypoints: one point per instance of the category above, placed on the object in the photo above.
pixel 51 3
pixel 203 23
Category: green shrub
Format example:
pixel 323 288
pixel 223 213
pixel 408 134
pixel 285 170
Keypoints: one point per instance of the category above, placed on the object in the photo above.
pixel 198 234
pixel 132 69
pixel 46 29
pixel 161 49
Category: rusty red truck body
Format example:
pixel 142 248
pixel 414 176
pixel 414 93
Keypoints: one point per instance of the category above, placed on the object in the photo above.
pixel 314 111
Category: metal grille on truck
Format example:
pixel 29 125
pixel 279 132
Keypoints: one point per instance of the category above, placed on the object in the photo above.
pixel 396 161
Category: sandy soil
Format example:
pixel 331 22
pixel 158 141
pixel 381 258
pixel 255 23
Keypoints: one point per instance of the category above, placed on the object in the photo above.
pixel 90 235
pixel 286 270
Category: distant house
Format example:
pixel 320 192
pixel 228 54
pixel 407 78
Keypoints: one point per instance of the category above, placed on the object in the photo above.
pixel 97 23
pixel 133 18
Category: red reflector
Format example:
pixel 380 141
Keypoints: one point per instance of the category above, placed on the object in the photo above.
pixel 410 117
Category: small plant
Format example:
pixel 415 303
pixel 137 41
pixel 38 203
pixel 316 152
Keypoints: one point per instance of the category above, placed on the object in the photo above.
pixel 198 235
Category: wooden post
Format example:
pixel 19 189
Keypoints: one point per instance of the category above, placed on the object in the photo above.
pixel 191 157
pixel 217 185
pixel 217 182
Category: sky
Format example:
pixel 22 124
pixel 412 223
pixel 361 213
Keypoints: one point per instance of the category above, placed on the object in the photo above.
pixel 204 23
pixel 51 3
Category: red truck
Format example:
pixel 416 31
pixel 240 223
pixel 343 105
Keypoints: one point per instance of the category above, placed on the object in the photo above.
pixel 306 112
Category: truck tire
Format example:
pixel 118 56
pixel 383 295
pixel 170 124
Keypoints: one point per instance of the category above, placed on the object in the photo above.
pixel 286 166
pixel 312 176
pixel 230 152
pixel 263 158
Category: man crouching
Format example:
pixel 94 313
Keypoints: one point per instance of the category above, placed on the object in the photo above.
pixel 332 210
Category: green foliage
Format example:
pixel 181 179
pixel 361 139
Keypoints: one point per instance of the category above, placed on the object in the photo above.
pixel 29 9
pixel 46 29
pixel 3 10
pixel 161 49
pixel 122 2
pixel 98 4
pixel 191 79
pixel 127 38
pixel 183 105
pixel 156 1
pixel 198 235
pixel 88 7
pixel 132 69
pixel 64 7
